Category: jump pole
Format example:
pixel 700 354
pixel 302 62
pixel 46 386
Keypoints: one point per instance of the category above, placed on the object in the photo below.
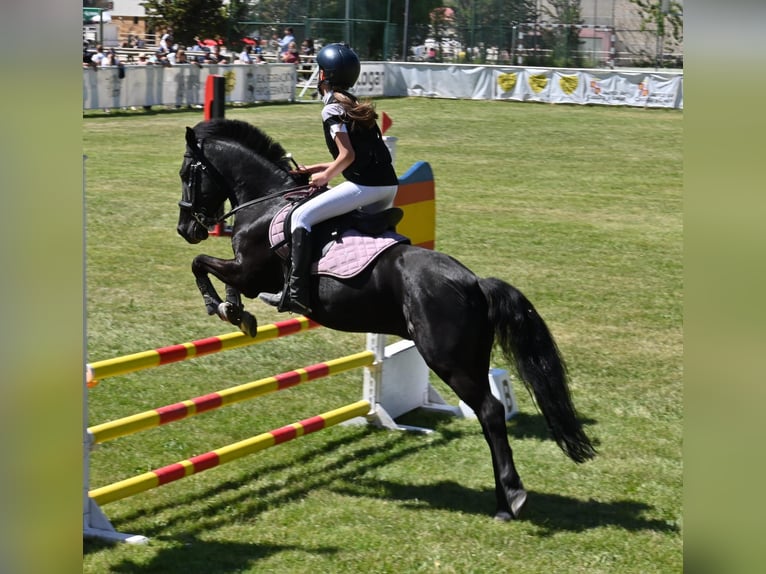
pixel 223 455
pixel 215 97
pixel 156 417
pixel 99 370
pixel 215 108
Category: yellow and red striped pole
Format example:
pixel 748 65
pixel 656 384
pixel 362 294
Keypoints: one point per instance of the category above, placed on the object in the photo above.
pixel 174 353
pixel 163 415
pixel 223 455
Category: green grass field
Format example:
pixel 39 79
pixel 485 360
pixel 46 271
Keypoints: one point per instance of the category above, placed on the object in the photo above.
pixel 579 207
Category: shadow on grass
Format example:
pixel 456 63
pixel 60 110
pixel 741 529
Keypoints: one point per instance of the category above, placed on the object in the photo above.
pixel 210 556
pixel 550 512
pixel 273 485
pixel 339 465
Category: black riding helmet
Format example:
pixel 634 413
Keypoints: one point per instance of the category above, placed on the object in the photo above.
pixel 340 65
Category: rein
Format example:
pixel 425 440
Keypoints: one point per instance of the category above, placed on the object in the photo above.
pixel 197 152
pixel 297 190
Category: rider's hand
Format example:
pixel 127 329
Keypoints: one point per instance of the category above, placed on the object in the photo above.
pixel 319 180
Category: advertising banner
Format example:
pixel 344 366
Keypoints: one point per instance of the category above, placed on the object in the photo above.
pixel 184 84
pixel 371 82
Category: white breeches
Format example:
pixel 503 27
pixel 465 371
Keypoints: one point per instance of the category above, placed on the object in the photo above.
pixel 343 198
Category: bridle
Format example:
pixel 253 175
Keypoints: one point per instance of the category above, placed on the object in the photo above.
pixel 201 165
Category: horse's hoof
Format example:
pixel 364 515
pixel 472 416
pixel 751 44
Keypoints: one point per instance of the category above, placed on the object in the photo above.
pixel 516 500
pixel 248 325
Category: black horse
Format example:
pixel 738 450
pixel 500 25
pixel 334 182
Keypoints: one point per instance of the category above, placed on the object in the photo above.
pixel 453 317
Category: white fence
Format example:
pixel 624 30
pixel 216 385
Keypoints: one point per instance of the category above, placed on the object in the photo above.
pixel 185 84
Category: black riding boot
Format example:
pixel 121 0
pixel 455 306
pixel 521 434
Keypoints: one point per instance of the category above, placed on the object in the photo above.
pixel 296 293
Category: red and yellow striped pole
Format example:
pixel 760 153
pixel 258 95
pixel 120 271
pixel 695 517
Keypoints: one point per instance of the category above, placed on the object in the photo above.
pixel 223 455
pixel 174 353
pixel 163 415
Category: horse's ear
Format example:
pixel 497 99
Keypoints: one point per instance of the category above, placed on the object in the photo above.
pixel 191 138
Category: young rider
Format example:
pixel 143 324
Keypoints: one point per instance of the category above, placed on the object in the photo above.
pixel 359 154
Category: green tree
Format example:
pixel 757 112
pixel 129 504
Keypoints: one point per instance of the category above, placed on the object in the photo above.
pixel 281 10
pixel 189 18
pixel 238 11
pixel 490 23
pixel 564 40
pixel 666 17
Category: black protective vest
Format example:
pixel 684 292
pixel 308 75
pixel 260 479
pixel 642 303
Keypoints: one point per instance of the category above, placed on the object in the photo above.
pixel 372 160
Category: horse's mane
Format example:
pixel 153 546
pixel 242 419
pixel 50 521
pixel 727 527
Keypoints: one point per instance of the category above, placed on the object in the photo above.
pixel 245 134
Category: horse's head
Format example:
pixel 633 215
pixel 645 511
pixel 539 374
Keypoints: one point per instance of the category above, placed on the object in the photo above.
pixel 227 159
pixel 203 192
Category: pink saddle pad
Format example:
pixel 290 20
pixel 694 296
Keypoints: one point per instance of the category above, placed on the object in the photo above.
pixel 347 256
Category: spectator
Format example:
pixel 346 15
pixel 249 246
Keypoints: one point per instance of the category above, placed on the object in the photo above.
pixel 215 50
pixel 180 57
pixel 307 53
pixel 284 43
pixel 307 48
pixel 110 59
pixel 161 58
pixel 244 55
pixel 98 56
pixel 259 59
pixel 291 56
pixel 166 41
pixel 86 54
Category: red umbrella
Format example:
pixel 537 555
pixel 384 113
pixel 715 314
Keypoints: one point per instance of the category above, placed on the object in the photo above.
pixel 249 41
pixel 209 42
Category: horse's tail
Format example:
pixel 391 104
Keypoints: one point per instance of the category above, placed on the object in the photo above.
pixel 526 342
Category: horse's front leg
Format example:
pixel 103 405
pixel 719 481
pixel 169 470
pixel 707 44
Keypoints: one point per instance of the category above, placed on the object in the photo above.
pixel 209 294
pixel 232 309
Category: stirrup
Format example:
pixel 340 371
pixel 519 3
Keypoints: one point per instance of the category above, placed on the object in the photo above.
pixel 298 307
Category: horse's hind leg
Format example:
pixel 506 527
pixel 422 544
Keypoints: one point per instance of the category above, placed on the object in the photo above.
pixel 509 491
pixel 457 349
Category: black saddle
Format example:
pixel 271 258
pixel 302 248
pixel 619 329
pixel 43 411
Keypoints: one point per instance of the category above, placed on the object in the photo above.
pixel 325 232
